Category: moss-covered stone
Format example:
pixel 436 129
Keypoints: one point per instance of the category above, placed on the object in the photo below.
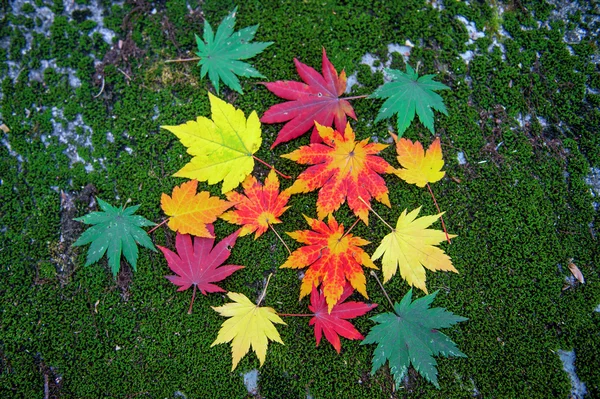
pixel 524 113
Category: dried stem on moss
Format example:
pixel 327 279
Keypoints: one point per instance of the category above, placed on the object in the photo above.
pixel 382 289
pixel 158 225
pixel 183 60
pixel 280 239
pixel 272 167
pixel 441 217
pixel 262 296
pixel 376 214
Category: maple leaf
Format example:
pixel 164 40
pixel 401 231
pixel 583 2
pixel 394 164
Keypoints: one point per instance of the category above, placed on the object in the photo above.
pixel 198 264
pixel 420 168
pixel 332 258
pixel 336 323
pixel 410 246
pixel 249 325
pixel 114 231
pixel 220 54
pixel 259 206
pixel 408 94
pixel 222 148
pixel 410 336
pixel 318 99
pixel 190 212
pixel 342 169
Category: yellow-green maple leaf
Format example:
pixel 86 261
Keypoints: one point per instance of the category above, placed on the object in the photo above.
pixel 410 246
pixel 222 148
pixel 248 325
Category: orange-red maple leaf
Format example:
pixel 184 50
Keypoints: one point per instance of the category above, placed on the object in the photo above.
pixel 342 169
pixel 318 99
pixel 259 206
pixel 332 258
pixel 188 212
pixel 419 167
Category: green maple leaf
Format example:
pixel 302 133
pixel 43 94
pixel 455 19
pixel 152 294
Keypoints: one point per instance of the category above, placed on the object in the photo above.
pixel 410 335
pixel 220 53
pixel 408 94
pixel 114 231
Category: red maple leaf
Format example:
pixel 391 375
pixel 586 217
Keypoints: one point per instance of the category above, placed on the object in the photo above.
pixel 318 99
pixel 335 323
pixel 198 264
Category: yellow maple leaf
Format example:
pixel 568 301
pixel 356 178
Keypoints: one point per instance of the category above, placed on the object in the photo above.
pixel 190 212
pixel 248 325
pixel 222 148
pixel 410 246
pixel 420 167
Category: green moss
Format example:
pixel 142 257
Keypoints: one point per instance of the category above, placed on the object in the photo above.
pixel 519 205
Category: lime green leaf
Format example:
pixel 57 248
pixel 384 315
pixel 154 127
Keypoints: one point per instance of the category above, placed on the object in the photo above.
pixel 114 231
pixel 408 94
pixel 220 53
pixel 410 335
pixel 222 148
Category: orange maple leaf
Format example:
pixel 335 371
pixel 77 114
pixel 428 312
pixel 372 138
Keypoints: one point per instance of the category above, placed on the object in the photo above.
pixel 342 169
pixel 420 168
pixel 188 212
pixel 259 206
pixel 332 258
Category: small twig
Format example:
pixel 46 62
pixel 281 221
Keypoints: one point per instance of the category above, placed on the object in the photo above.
pixel 101 89
pixel 183 60
pixel 280 239
pixel 294 315
pixel 272 167
pixel 123 72
pixel 376 214
pixel 382 289
pixel 158 225
pixel 351 227
pixel 262 296
pixel 46 386
pixel 193 297
pixel 354 97
pixel 441 217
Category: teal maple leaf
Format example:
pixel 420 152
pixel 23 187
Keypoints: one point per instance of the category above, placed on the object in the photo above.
pixel 408 94
pixel 410 335
pixel 115 231
pixel 220 53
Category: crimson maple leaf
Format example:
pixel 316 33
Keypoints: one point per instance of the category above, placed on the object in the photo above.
pixel 336 323
pixel 198 264
pixel 260 207
pixel 342 169
pixel 318 99
pixel 332 258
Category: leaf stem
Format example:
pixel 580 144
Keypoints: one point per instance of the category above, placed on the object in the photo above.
pixel 272 167
pixel 158 225
pixel 441 217
pixel 280 239
pixel 383 289
pixel 294 315
pixel 262 296
pixel 354 97
pixel 193 297
pixel 351 227
pixel 376 214
pixel 183 60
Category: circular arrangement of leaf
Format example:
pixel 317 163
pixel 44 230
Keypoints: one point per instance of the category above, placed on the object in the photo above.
pixel 340 168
